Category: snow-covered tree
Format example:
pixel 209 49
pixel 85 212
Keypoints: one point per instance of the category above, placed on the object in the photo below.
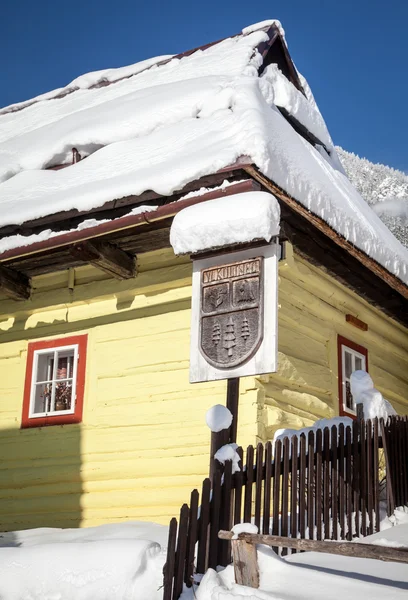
pixel 384 189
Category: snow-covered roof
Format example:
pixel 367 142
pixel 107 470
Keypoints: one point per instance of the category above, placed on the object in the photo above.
pixel 161 124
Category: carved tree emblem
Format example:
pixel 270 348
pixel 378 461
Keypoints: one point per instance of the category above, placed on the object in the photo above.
pixel 231 312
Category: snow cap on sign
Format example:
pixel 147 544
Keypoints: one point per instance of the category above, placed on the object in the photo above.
pixel 225 221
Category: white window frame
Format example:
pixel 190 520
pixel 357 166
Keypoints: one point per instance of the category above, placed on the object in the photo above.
pixel 354 354
pixel 56 350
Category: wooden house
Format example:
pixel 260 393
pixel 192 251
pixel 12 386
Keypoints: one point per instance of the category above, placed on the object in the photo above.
pixel 98 419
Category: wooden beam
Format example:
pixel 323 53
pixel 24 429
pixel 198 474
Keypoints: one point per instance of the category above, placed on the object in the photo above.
pixel 14 284
pixel 107 257
pixel 356 550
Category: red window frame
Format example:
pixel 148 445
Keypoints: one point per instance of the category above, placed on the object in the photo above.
pixel 342 341
pixel 76 416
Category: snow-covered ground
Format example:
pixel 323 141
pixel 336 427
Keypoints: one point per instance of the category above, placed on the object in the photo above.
pixel 125 561
pixel 112 562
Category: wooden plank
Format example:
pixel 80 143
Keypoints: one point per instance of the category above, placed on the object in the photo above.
pixel 294 487
pixel 181 552
pixel 334 483
pixel 267 488
pixel 353 549
pixel 342 487
pixel 376 482
pixel 14 284
pixel 356 478
pixel 363 477
pixel 276 486
pixel 326 483
pixel 245 563
pixel 215 506
pixel 238 485
pixel 349 487
pixel 302 487
pixel 370 476
pixel 168 571
pixel 106 257
pixel 248 484
pixel 318 485
pixel 310 484
pixel 285 489
pixel 191 538
pixel 258 485
pixel 203 534
pixel 225 521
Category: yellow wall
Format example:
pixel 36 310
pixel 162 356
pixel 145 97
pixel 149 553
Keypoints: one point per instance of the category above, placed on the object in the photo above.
pixel 143 444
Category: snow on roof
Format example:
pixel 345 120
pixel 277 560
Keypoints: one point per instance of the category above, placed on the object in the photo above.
pixel 165 123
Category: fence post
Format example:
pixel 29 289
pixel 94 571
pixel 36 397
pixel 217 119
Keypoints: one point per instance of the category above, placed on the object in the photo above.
pixel 245 563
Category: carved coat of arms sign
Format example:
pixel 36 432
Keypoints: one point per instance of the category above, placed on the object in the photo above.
pixel 234 314
pixel 231 324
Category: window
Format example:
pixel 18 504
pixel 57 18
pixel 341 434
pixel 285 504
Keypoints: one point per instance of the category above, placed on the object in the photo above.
pixel 55 380
pixel 351 357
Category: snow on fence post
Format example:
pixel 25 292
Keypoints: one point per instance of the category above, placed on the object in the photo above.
pixel 219 419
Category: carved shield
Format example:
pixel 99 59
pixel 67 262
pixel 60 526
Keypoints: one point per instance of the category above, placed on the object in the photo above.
pixel 231 327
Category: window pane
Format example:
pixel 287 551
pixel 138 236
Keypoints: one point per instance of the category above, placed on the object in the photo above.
pixel 63 395
pixel 42 398
pixel 349 397
pixel 65 364
pixel 45 365
pixel 359 363
pixel 348 363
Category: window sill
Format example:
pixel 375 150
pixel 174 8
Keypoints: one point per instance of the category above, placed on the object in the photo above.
pixel 49 421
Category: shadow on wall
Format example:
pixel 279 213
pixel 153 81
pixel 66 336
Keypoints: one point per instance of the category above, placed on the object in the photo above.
pixel 40 479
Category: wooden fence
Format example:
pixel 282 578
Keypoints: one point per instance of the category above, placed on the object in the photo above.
pixel 325 486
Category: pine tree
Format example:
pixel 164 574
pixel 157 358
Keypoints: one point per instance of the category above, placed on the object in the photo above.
pixel 229 336
pixel 245 329
pixel 216 333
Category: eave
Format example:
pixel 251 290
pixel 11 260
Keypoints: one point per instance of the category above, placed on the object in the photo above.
pixel 311 237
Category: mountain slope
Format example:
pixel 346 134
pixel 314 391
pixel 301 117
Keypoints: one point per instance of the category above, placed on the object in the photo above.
pixel 385 189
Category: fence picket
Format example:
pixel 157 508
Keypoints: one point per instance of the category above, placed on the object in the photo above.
pixel 204 521
pixel 285 491
pixel 310 484
pixel 224 546
pixel 191 538
pixel 349 486
pixel 342 488
pixel 302 486
pixel 267 488
pixel 318 485
pixel 248 484
pixel 168 572
pixel 215 506
pixel 363 478
pixel 356 477
pixel 334 483
pixel 294 488
pixel 181 552
pixel 326 483
pixel 258 485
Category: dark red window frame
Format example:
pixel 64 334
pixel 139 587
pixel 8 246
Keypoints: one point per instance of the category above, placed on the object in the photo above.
pixel 75 417
pixel 342 341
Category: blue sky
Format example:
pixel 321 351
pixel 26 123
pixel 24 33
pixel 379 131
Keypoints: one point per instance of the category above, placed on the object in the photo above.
pixel 354 53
